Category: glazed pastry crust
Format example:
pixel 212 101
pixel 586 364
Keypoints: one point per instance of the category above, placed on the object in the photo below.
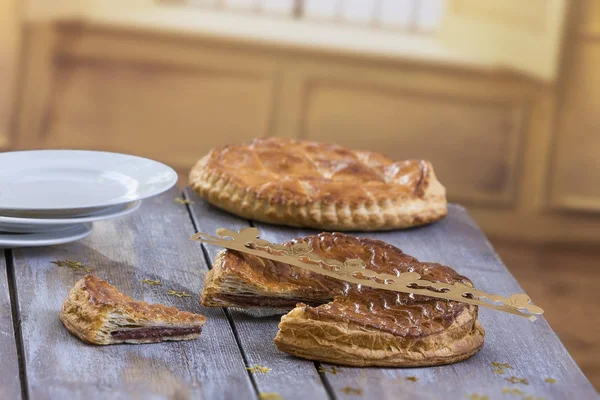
pixel 307 184
pixel 345 343
pixel 94 310
pixel 343 323
pixel 338 342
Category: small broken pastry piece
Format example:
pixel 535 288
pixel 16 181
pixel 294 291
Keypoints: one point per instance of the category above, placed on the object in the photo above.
pixel 347 324
pixel 96 312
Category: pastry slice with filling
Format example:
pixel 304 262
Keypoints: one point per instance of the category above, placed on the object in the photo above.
pixel 246 281
pixel 96 312
pixel 342 323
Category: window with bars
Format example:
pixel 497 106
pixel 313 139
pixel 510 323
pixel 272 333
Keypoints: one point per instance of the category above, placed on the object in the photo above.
pixel 415 16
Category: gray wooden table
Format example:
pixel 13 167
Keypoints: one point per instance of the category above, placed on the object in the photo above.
pixel 41 360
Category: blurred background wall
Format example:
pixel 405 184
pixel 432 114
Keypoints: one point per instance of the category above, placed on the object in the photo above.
pixel 502 97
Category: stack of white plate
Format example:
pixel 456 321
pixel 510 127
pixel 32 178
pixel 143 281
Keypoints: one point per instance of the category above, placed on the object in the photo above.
pixel 50 197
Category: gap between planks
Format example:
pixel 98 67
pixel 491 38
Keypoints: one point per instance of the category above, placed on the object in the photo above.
pixel 326 384
pixel 16 318
pixel 225 310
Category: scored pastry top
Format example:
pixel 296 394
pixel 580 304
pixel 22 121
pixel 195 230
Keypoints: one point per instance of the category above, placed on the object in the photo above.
pixel 401 314
pixel 299 172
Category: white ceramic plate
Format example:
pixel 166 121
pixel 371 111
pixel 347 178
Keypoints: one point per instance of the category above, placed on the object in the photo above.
pixel 76 182
pixel 63 214
pixel 31 225
pixel 13 240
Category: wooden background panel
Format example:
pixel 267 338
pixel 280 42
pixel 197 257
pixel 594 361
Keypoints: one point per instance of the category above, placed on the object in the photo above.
pixel 10 382
pixel 291 378
pixel 505 12
pixel 10 39
pixel 152 243
pixel 173 114
pixel 89 40
pixel 590 13
pixel 576 169
pixel 473 143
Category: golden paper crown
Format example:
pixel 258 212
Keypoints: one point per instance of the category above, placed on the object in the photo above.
pixel 354 271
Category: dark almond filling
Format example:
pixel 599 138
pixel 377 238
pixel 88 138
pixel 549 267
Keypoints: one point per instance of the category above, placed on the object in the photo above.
pixel 265 301
pixel 155 333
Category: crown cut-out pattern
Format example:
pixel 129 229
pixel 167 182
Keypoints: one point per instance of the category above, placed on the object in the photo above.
pixel 353 270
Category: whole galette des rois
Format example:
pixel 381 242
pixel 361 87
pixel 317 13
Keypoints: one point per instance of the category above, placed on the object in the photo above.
pixel 307 184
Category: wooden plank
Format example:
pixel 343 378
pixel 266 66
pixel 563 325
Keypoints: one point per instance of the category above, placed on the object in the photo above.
pixel 532 349
pixel 9 367
pixel 152 243
pixel 292 378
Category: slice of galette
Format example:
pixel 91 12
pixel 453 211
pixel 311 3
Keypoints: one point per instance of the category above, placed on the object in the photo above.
pixel 96 312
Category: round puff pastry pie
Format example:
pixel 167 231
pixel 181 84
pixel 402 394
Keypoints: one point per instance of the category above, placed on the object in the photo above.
pixel 96 312
pixel 342 323
pixel 317 185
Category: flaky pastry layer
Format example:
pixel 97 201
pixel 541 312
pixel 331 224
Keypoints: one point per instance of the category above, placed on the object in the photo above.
pixel 345 343
pixel 227 286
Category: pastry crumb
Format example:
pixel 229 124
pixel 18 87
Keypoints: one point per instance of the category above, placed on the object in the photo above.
pixel 331 370
pixel 512 391
pixel 550 380
pixel 476 396
pixel 499 368
pixel 412 378
pixel 75 265
pixel 270 396
pixel 171 292
pixel 257 368
pixel 514 379
pixel 352 391
pixel 152 282
pixel 181 200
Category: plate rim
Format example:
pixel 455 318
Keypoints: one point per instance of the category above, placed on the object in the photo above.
pixel 19 221
pixel 4 243
pixel 167 186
